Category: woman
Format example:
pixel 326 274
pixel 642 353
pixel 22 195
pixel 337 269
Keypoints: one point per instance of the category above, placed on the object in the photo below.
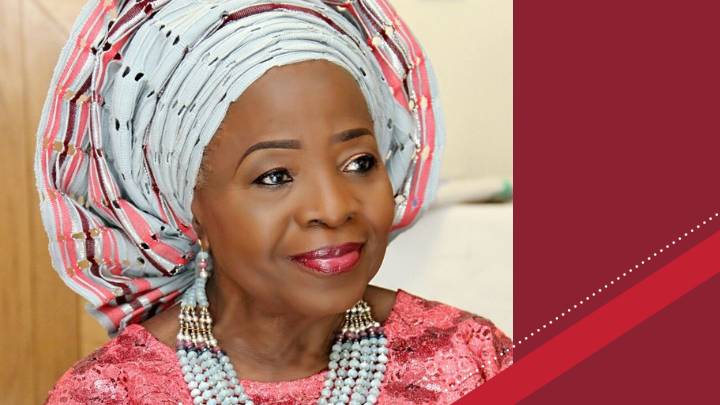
pixel 220 180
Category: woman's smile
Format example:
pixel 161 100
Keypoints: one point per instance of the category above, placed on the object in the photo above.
pixel 331 260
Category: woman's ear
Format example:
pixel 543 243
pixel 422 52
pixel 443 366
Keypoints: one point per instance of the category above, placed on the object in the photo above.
pixel 198 224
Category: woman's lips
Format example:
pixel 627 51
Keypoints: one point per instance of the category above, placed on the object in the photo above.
pixel 331 259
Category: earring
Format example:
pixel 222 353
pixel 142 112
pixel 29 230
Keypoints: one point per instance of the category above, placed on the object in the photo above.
pixel 195 321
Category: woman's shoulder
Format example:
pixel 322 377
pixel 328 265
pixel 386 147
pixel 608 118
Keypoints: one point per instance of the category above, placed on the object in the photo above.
pixel 434 344
pixel 414 312
pixel 131 365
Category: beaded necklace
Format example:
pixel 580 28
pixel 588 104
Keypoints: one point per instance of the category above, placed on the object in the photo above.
pixel 355 370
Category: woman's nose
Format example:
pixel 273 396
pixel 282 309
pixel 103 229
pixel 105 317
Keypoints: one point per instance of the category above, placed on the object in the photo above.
pixel 328 201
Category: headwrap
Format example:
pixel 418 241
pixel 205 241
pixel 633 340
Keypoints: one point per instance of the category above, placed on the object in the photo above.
pixel 140 89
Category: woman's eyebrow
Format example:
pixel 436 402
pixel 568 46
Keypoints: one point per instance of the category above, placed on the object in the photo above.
pixel 350 134
pixel 343 136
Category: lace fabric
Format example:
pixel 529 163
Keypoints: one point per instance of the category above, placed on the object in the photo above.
pixel 438 353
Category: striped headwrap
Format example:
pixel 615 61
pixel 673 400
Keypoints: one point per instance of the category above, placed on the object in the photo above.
pixel 139 90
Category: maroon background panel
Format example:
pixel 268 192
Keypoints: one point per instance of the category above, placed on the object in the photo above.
pixel 617 136
pixel 669 359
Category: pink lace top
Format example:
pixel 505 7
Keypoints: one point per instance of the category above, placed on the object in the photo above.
pixel 438 353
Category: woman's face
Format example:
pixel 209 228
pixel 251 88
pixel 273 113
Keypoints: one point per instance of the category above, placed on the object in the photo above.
pixel 279 180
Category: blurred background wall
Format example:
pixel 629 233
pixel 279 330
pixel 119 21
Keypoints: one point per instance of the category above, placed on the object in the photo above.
pixel 45 329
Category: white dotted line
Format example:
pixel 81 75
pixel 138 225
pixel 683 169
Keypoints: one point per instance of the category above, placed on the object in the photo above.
pixel 612 282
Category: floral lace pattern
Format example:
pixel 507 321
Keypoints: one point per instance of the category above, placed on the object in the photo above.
pixel 438 353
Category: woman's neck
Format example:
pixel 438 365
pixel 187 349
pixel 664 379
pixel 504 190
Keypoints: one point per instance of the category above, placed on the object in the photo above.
pixel 270 346
pixel 273 348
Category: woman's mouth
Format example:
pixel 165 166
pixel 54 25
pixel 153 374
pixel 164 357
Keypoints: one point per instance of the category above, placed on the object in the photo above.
pixel 331 259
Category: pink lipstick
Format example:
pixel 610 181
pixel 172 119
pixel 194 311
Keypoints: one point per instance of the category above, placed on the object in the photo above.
pixel 331 259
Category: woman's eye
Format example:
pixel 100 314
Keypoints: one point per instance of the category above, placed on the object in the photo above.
pixel 276 177
pixel 362 164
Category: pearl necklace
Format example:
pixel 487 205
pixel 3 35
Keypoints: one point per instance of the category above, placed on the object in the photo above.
pixel 355 371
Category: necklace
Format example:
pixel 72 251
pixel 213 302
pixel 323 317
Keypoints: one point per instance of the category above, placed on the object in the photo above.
pixel 355 370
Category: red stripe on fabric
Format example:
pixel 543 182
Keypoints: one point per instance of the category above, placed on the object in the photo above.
pixel 141 226
pixel 109 56
pixel 71 259
pixel 391 44
pixel 94 266
pixel 602 326
pixel 94 26
pixel 129 15
pixel 273 6
pixel 429 113
pixel 401 27
pixel 156 189
pixel 78 157
pixel 114 312
pixel 63 78
pixel 110 253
